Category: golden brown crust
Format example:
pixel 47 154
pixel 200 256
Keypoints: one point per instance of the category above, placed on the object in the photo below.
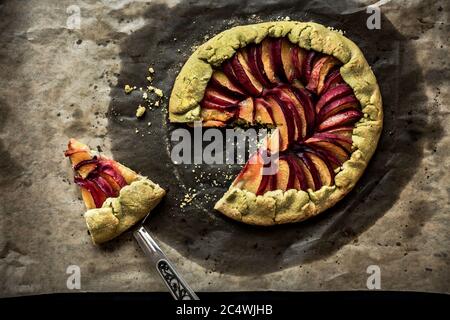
pixel 272 207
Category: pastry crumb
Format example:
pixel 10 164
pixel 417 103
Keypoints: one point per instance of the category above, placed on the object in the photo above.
pixel 140 111
pixel 151 70
pixel 158 92
pixel 128 88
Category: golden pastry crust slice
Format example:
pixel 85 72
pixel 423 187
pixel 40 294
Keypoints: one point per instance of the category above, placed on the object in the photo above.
pixel 116 197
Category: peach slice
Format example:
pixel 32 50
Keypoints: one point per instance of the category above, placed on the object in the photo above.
pixel 244 75
pixel 222 82
pixel 336 92
pixel 245 111
pixel 348 117
pixel 267 61
pixel 262 115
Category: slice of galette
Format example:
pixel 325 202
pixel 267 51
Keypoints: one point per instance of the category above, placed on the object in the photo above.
pixel 312 84
pixel 116 197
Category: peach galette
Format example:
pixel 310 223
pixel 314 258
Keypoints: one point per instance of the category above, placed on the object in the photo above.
pixel 312 84
pixel 116 197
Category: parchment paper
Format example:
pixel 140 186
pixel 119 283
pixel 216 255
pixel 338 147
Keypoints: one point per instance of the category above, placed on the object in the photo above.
pixel 59 81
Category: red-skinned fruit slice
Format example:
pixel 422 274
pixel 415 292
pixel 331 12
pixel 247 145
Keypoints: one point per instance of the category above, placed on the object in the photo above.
pixel 211 105
pixel 338 105
pixel 262 115
pixel 285 178
pixel 256 65
pixel 244 75
pixel 339 138
pixel 300 181
pixel 283 120
pixel 346 132
pixel 325 171
pixel 276 59
pixel 220 81
pixel 97 195
pixel 305 100
pixel 298 59
pixel 334 93
pixel 227 68
pixel 104 186
pixel 286 60
pixel 267 61
pixel 348 117
pixel 250 178
pixel 295 108
pixel 111 168
pixel 85 167
pixel 218 97
pixel 319 71
pixel 311 174
pixel 329 147
pixel 308 65
pixel 333 79
pixel 245 111
pixel 114 185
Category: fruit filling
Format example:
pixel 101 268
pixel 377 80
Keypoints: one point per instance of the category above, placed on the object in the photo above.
pixel 301 92
pixel 99 178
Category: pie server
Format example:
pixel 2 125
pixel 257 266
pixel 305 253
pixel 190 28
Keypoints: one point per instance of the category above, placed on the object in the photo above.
pixel 177 286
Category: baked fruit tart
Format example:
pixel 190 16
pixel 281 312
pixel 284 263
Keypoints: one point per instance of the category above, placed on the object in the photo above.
pixel 116 197
pixel 311 83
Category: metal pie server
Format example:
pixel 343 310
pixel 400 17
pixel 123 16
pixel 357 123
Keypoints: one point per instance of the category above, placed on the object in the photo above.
pixel 177 286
